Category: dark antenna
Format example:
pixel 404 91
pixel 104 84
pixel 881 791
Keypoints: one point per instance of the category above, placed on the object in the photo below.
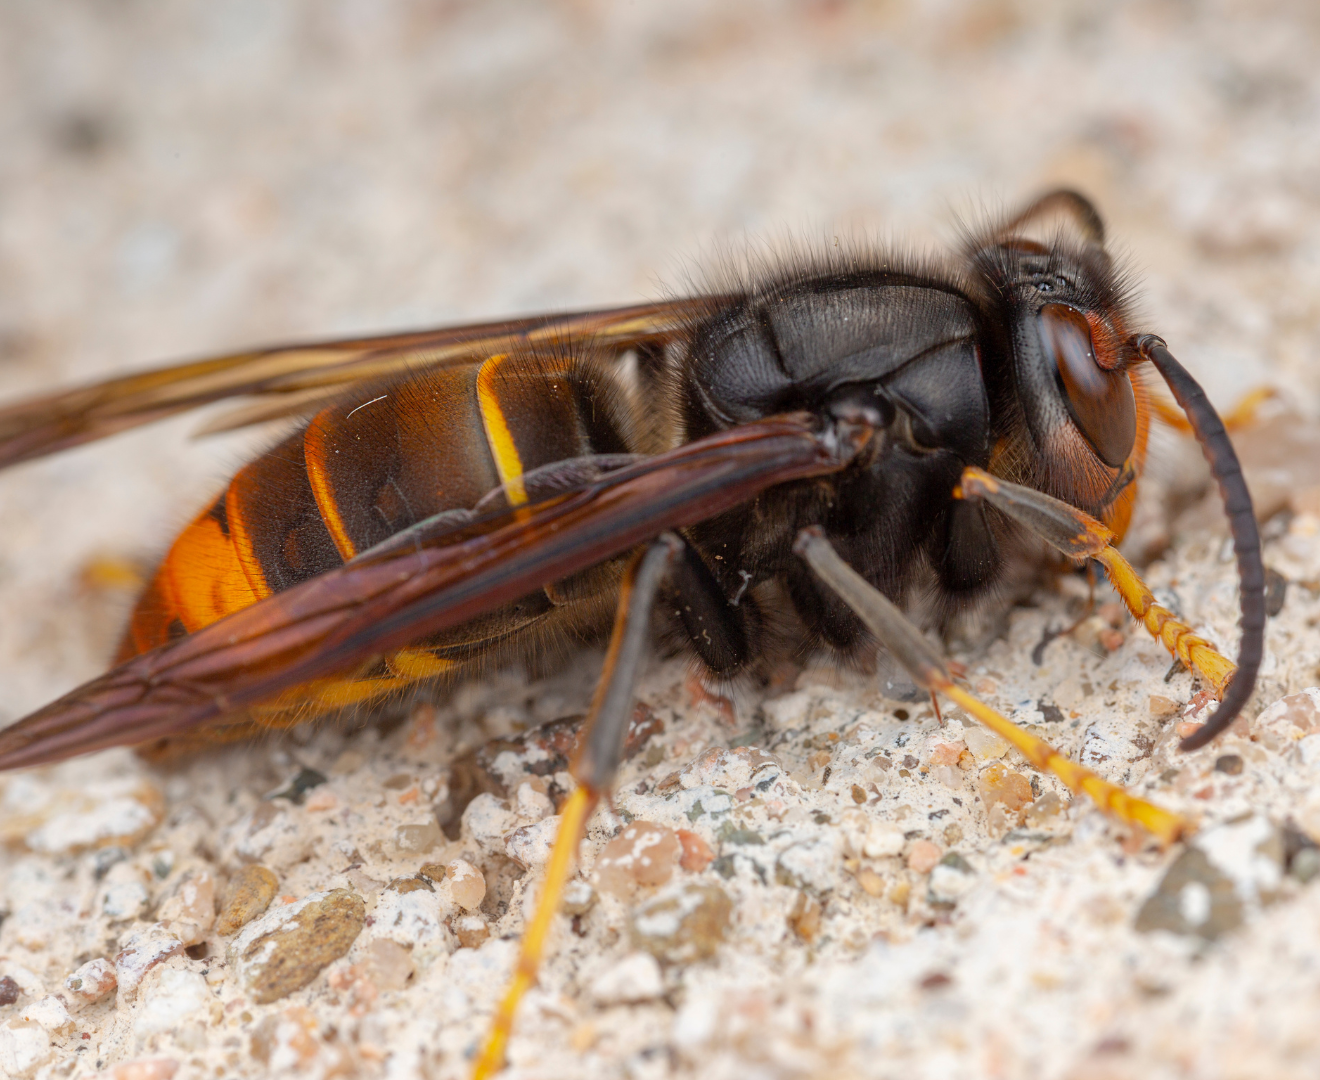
pixel 1219 452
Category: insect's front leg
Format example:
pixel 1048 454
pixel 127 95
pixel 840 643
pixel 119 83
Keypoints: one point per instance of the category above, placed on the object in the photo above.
pixel 1079 535
pixel 593 768
pixel 929 669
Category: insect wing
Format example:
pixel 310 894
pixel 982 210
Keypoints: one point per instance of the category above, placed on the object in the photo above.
pixel 379 603
pixel 297 378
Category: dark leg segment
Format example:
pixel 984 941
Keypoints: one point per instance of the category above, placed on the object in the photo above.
pixel 716 628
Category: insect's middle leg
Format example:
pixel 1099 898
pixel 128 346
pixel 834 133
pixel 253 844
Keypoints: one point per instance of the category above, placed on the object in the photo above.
pixel 928 668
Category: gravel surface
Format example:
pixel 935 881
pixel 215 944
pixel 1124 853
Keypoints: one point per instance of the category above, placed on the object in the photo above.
pixel 835 884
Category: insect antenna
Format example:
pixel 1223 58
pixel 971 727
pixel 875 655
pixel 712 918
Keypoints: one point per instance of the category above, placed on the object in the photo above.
pixel 1210 433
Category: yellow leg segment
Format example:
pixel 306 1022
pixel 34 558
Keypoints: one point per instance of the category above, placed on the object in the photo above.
pixel 1177 636
pixel 1166 827
pixel 1079 535
pixel 573 820
pixel 1242 415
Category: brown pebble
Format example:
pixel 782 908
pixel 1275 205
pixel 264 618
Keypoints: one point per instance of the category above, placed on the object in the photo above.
pixel 9 991
pixel 433 870
pixel 1001 785
pixel 298 943
pixel 858 794
pixel 924 856
pixel 901 893
pixel 1229 763
pixel 250 893
pixel 697 854
pixel 872 883
pixel 1161 708
pixel 405 885
pixel 683 924
pixel 947 753
pixel 804 917
pixel 471 931
pixel 643 854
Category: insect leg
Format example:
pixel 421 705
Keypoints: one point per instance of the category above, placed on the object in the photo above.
pixel 924 663
pixel 1077 534
pixel 593 768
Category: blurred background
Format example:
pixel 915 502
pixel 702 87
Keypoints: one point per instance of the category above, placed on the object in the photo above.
pixel 179 178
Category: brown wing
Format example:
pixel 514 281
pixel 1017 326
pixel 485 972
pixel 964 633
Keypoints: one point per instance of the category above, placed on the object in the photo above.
pixel 296 378
pixel 389 597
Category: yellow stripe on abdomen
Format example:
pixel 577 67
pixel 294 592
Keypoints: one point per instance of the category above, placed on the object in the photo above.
pixel 508 463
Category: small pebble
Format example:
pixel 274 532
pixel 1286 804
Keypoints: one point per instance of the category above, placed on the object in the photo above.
pixel 143 950
pixel 91 982
pixel 924 856
pixel 984 744
pixel 872 883
pixel 285 949
pixel 471 930
pixel 390 964
pixel 804 917
pixel 190 913
pixel 50 1014
pixel 1229 763
pixel 644 854
pixel 145 1069
pixel 1161 708
pixel 999 784
pixel 635 978
pixel 417 839
pixel 579 897
pixel 433 870
pixel 9 990
pixel 466 884
pixel 685 923
pixel 947 753
pixel 530 845
pixel 250 893
pixel 697 854
pixel 1193 897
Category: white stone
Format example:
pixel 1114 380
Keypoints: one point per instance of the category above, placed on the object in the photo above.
pixel 91 982
pixel 947 883
pixel 23 1049
pixel 410 918
pixel 169 999
pixel 487 820
pixel 125 900
pixel 143 950
pixel 634 978
pixel 50 1014
pixel 531 845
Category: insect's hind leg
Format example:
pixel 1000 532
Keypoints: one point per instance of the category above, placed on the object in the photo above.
pixel 593 768
pixel 928 668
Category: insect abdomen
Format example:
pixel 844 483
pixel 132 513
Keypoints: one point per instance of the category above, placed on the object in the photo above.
pixel 360 471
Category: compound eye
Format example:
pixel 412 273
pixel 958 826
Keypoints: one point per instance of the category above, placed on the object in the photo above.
pixel 1100 402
